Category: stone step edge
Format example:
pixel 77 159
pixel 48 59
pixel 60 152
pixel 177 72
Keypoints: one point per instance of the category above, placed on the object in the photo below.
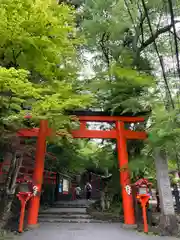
pixel 63 213
pixel 71 221
pixel 69 206
pixel 66 216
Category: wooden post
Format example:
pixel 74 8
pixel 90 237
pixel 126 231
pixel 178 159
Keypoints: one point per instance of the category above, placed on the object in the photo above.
pixel 145 218
pixel 38 173
pixel 124 175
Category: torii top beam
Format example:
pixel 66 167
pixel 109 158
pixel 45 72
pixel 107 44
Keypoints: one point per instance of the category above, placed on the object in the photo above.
pixel 94 116
pixel 99 116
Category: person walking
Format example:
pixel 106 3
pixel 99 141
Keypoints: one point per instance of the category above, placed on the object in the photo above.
pixel 78 192
pixel 88 189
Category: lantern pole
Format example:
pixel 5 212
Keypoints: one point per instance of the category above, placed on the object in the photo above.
pixel 128 208
pixel 38 173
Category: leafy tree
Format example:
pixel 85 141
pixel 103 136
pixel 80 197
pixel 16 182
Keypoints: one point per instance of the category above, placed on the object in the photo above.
pixel 42 50
pixel 34 39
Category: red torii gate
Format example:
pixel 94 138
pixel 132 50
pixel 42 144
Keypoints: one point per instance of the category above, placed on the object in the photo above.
pixel 119 133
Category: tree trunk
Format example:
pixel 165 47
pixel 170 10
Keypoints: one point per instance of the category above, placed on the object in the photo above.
pixel 5 209
pixel 9 191
pixel 168 221
pixel 102 201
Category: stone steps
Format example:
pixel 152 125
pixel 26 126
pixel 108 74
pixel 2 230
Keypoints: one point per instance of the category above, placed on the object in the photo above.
pixel 67 212
pixel 65 216
pixel 64 211
pixel 71 204
pixel 68 206
pixel 69 220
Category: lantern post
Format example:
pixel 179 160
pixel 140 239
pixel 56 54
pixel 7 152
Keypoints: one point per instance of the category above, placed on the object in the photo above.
pixel 24 194
pixel 143 196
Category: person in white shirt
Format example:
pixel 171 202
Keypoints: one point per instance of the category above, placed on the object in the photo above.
pixel 78 192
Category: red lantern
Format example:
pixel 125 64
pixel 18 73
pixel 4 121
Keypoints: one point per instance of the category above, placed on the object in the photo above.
pixel 143 186
pixel 26 191
pixel 143 196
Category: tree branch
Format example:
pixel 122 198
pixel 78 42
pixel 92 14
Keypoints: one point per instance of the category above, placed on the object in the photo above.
pixel 139 31
pixel 173 35
pixel 156 35
pixel 105 50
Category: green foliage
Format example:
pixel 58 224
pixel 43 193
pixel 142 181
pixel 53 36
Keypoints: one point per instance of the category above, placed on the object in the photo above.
pixel 142 167
pixel 47 101
pixel 38 55
pixel 55 99
pixel 105 156
pixel 126 92
pixel 121 81
pixel 165 127
pixel 104 17
pixel 165 131
pixel 39 36
pixel 15 89
pixel 79 155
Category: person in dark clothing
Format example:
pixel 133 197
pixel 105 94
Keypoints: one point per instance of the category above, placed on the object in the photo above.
pixel 88 189
pixel 158 202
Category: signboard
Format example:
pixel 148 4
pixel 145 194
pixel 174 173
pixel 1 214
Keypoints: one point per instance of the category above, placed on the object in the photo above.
pixel 60 188
pixel 65 186
pixel 142 190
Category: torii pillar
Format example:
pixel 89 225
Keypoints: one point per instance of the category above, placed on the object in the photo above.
pixel 34 202
pixel 125 183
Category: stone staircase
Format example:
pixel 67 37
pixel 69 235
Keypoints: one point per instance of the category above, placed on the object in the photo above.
pixel 67 212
